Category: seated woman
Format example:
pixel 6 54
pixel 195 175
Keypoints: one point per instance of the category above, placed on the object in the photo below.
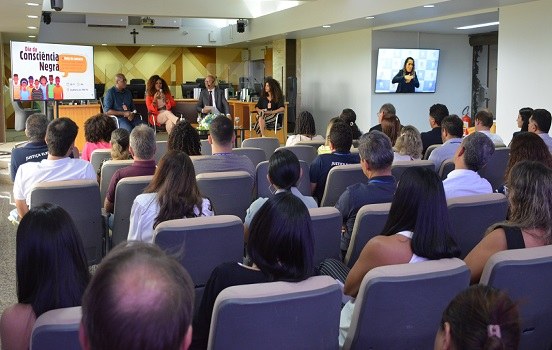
pixel 523 119
pixel 160 102
pixel 529 221
pixel 526 146
pixel 280 247
pixel 119 147
pixel 408 145
pixel 51 272
pixel 479 318
pixel 97 132
pixel 305 130
pixel 391 126
pixel 184 137
pixel 349 117
pixel 325 149
pixel 284 172
pixel 172 194
pixel 269 105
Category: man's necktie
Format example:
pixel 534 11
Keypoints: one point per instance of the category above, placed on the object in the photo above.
pixel 210 98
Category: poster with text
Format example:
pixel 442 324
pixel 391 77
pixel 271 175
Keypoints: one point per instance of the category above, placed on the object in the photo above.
pixel 43 72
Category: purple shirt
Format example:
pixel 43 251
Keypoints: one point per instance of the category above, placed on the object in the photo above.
pixel 138 168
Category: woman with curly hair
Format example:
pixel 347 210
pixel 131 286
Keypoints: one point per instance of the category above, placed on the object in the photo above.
pixel 184 137
pixel 408 145
pixel 160 102
pixel 269 105
pixel 97 132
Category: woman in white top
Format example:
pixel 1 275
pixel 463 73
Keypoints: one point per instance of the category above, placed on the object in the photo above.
pixel 305 130
pixel 408 145
pixel 172 194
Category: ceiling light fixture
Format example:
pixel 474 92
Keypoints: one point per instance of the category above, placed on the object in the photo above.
pixel 104 44
pixel 370 17
pixel 199 46
pixel 31 4
pixel 32 16
pixel 32 36
pixel 481 25
pixel 429 6
pixel 326 26
pixel 31 27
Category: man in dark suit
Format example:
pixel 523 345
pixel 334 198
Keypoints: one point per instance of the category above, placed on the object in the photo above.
pixel 211 99
pixel 436 114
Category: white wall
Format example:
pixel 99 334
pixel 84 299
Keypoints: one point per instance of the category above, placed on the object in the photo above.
pixel 453 77
pixel 524 53
pixel 335 74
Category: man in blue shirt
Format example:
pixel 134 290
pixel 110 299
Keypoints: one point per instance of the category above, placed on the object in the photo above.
pixel 118 103
pixel 36 149
pixel 341 139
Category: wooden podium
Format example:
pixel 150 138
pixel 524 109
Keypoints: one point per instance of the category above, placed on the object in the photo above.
pixel 79 114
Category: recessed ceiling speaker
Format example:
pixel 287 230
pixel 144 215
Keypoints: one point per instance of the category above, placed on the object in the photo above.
pixel 47 17
pixel 56 5
pixel 240 25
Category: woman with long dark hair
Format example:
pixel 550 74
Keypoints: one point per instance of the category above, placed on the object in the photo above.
pixel 523 119
pixel 305 129
pixel 406 78
pixel 160 102
pixel 269 105
pixel 172 194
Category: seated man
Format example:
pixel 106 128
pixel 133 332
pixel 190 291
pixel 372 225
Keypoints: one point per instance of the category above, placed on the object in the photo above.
pixel 472 155
pixel 437 113
pixel 139 298
pixel 483 123
pixel 221 138
pixel 539 123
pixel 376 157
pixel 142 149
pixel 452 130
pixel 35 150
pixel 60 139
pixel 386 109
pixel 341 139
pixel 118 102
pixel 211 99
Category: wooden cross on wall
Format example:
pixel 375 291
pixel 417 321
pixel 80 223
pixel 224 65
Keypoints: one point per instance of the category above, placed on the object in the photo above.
pixel 134 33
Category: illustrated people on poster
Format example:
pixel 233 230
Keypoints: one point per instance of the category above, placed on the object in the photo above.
pixel 16 88
pixel 30 87
pixel 51 86
pixel 36 93
pixel 24 93
pixel 406 77
pixel 58 90
pixel 44 87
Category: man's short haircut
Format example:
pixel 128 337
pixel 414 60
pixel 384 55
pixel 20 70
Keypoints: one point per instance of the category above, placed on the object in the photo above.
pixel 60 135
pixel 142 141
pixel 478 148
pixel 341 137
pixel 453 125
pixel 35 127
pixel 542 118
pixel 388 109
pixel 485 117
pixel 118 76
pixel 438 112
pixel 376 149
pixel 222 130
pixel 139 298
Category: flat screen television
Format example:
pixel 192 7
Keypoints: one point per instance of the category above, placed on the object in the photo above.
pixel 55 71
pixel 394 73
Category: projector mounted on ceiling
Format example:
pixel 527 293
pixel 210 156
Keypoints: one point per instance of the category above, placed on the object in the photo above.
pixel 147 21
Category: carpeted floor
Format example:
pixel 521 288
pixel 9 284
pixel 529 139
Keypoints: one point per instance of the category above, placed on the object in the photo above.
pixel 7 249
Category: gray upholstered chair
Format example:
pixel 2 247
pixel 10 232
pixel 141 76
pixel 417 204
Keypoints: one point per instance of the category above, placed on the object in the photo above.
pixel 263 185
pixel 21 114
pixel 430 149
pixel 98 156
pixel 339 178
pixel 398 168
pixel 160 150
pixel 303 152
pixel 230 192
pixel 313 143
pixel 526 275
pixel 206 149
pixel 81 199
pixel 326 224
pixel 470 216
pixel 57 329
pixel 277 315
pixel 446 167
pixel 400 306
pixel 256 155
pixel 495 168
pixel 369 222
pixel 108 170
pixel 268 144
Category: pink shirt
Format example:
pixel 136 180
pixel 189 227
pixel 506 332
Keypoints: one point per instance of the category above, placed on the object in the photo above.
pixel 89 147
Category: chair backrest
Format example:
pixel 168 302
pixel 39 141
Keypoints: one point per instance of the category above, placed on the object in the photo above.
pixel 398 168
pixel 446 167
pixel 81 199
pixel 160 150
pixel 313 143
pixel 303 152
pixel 206 148
pixel 98 156
pixel 526 275
pixel 400 306
pixel 108 170
pixel 369 222
pixel 430 149
pixel 230 192
pixel 126 191
pixel 496 167
pixel 262 182
pixel 256 155
pixel 470 216
pixel 57 329
pixel 268 144
pixel 306 317
pixel 326 224
pixel 339 178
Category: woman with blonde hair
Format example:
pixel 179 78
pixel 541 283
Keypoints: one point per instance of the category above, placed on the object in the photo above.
pixel 408 145
pixel 160 102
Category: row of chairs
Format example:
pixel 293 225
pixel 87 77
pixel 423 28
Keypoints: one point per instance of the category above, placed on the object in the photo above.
pixel 398 307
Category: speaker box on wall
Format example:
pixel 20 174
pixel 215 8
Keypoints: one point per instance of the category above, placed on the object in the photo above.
pixel 240 26
pixel 291 97
pixel 56 5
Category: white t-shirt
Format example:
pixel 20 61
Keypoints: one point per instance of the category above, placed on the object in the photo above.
pixel 144 211
pixel 293 139
pixel 47 170
pixel 464 182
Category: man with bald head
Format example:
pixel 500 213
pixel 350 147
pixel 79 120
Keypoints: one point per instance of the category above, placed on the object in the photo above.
pixel 139 298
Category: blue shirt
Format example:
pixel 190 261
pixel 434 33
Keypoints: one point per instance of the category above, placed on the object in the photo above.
pixel 114 99
pixel 321 166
